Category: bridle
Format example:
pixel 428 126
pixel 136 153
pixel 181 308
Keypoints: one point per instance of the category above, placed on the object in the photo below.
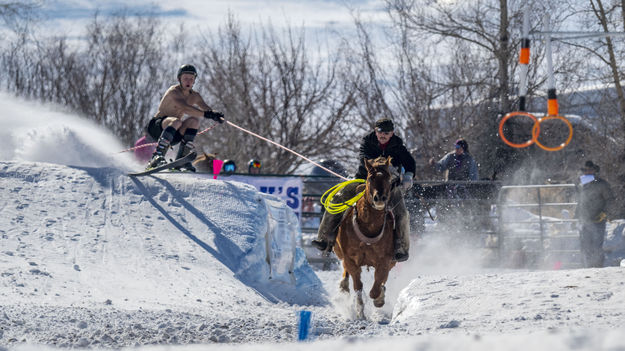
pixel 372 240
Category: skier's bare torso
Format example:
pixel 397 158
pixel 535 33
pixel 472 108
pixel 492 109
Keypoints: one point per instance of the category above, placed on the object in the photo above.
pixel 179 101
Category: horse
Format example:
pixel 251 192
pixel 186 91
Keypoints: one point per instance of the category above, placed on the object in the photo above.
pixel 365 235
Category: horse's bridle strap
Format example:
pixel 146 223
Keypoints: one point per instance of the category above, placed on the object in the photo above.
pixel 365 239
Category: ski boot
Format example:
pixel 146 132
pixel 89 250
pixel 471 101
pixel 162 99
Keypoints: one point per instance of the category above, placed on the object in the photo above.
pixel 183 150
pixel 157 160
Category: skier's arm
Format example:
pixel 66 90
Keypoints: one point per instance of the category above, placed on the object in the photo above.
pixel 208 111
pixel 202 104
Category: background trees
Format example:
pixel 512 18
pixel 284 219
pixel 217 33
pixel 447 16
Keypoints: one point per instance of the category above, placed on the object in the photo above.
pixel 440 69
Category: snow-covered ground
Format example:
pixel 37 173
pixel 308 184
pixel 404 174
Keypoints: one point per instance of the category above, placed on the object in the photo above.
pixel 91 258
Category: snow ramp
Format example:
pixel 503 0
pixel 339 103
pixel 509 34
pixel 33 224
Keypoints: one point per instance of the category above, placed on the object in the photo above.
pixel 172 239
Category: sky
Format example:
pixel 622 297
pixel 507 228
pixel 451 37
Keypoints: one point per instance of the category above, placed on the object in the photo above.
pixel 93 259
pixel 321 17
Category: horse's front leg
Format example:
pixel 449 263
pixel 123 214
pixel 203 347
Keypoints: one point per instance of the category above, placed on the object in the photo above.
pixel 360 306
pixel 378 289
pixel 344 285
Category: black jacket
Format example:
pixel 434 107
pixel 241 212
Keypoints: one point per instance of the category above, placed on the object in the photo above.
pixel 370 148
pixel 594 199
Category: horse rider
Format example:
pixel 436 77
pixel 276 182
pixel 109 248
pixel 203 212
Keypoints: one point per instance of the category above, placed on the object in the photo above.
pixel 168 126
pixel 381 142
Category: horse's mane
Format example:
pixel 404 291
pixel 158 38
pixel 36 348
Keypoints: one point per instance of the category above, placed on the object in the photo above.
pixel 378 162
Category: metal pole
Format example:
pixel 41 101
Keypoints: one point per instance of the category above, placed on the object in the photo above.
pixel 540 219
pixel 552 102
pixel 524 59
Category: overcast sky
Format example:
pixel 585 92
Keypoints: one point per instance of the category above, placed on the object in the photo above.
pixel 69 16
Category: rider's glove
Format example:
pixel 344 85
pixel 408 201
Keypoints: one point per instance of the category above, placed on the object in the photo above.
pixel 217 116
pixel 406 181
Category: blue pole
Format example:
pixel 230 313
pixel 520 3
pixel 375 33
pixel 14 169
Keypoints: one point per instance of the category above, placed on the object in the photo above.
pixel 304 325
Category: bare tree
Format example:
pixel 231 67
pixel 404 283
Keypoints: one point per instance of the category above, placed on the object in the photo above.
pixel 15 13
pixel 115 78
pixel 472 68
pixel 125 73
pixel 271 87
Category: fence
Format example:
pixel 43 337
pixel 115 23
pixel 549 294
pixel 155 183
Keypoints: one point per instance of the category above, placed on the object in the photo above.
pixel 520 226
pixel 536 226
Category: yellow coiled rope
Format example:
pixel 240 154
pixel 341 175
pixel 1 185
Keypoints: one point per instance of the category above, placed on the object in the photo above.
pixel 326 198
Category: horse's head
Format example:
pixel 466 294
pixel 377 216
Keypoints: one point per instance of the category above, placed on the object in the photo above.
pixel 378 188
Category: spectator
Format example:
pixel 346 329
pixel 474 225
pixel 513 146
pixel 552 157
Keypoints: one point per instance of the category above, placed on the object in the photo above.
pixel 229 167
pixel 142 153
pixel 595 197
pixel 459 163
pixel 254 166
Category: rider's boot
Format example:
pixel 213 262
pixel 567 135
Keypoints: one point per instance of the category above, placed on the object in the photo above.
pixel 326 235
pixel 329 226
pixel 400 253
pixel 401 239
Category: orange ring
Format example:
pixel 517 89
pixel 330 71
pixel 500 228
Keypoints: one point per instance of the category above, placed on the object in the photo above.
pixel 534 134
pixel 559 147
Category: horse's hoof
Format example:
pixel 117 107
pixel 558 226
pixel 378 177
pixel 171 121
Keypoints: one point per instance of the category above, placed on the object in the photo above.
pixel 379 303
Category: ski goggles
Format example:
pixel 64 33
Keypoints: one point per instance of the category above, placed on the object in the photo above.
pixel 229 167
pixel 255 164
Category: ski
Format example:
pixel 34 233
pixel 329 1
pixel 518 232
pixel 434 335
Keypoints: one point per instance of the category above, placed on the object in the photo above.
pixel 177 163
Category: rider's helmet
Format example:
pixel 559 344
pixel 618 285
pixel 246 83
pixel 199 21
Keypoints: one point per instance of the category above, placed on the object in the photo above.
pixel 229 167
pixel 186 69
pixel 254 164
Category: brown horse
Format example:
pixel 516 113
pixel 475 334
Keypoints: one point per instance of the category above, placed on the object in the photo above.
pixel 365 236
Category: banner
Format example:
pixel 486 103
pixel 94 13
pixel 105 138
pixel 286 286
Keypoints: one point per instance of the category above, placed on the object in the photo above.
pixel 288 189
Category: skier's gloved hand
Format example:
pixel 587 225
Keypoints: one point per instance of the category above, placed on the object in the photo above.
pixel 406 181
pixel 217 116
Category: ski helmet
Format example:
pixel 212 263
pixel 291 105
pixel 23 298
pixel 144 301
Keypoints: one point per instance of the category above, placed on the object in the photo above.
pixel 229 167
pixel 187 69
pixel 254 163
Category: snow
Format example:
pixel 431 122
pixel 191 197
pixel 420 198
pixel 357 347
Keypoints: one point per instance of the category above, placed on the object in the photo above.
pixel 93 259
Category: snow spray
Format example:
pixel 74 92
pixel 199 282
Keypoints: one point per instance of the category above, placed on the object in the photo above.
pixel 305 325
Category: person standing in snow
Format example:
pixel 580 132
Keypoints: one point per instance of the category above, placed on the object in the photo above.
pixel 459 162
pixel 381 142
pixel 595 197
pixel 168 125
pixel 144 153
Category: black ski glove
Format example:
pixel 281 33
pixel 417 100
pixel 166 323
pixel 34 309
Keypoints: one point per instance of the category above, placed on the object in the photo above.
pixel 217 116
